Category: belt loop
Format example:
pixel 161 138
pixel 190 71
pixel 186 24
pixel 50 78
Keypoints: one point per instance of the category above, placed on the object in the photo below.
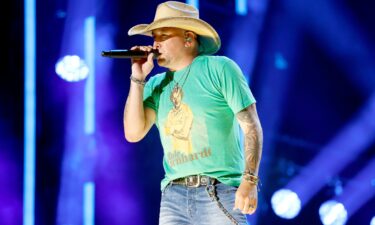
pixel 211 190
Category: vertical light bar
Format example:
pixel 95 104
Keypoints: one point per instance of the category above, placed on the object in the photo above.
pixel 241 7
pixel 88 203
pixel 194 3
pixel 89 56
pixel 89 187
pixel 29 112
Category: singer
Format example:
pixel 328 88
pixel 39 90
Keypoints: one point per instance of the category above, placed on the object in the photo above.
pixel 197 104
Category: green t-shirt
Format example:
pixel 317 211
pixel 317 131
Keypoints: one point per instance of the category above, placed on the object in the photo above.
pixel 199 131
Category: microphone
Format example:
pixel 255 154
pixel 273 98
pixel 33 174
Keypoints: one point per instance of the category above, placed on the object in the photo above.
pixel 126 54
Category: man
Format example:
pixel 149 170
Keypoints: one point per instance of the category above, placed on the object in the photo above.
pixel 197 105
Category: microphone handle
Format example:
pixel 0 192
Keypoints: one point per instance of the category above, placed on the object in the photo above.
pixel 128 53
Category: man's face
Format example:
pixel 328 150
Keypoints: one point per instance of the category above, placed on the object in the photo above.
pixel 171 45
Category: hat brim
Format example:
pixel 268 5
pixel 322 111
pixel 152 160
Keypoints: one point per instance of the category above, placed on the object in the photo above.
pixel 209 40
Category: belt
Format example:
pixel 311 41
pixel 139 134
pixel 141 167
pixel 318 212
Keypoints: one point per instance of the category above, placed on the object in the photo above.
pixel 195 181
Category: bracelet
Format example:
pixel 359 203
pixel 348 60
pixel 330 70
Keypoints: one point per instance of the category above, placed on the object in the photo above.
pixel 251 178
pixel 137 81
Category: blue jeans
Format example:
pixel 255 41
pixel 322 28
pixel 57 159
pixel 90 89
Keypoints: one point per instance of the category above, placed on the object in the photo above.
pixel 205 205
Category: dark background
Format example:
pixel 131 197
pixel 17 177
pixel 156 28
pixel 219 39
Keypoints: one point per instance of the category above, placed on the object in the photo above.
pixel 310 65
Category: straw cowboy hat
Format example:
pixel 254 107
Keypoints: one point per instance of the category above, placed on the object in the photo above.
pixel 184 16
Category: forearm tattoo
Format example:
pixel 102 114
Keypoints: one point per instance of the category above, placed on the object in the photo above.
pixel 253 137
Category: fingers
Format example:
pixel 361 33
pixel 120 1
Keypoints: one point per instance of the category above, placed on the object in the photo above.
pixel 145 49
pixel 142 48
pixel 238 203
pixel 247 205
pixel 250 207
pixel 150 58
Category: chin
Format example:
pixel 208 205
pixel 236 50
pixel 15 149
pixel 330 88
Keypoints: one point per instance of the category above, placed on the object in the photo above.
pixel 161 62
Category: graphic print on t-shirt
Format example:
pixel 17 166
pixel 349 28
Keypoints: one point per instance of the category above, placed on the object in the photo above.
pixel 179 123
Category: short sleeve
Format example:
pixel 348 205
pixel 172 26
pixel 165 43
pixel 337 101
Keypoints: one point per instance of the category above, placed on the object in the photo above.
pixel 234 87
pixel 148 97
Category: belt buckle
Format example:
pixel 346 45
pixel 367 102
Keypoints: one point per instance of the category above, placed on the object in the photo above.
pixel 196 185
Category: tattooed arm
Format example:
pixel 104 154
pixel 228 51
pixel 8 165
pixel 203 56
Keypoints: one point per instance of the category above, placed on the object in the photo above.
pixel 247 195
pixel 253 136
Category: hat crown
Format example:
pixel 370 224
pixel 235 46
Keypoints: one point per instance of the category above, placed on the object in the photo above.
pixel 180 15
pixel 175 9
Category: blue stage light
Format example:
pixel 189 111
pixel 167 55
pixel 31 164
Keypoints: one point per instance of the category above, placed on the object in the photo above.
pixel 280 62
pixel 286 203
pixel 372 221
pixel 333 213
pixel 241 7
pixel 194 3
pixel 89 203
pixel 72 68
pixel 29 112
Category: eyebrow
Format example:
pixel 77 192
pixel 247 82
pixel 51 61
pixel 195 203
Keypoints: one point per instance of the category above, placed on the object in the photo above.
pixel 165 31
pixel 160 32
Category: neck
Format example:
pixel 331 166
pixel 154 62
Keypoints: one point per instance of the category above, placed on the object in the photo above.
pixel 183 63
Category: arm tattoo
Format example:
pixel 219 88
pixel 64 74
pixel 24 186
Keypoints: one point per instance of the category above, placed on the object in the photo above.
pixel 253 137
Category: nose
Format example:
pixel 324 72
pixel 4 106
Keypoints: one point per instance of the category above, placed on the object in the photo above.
pixel 156 45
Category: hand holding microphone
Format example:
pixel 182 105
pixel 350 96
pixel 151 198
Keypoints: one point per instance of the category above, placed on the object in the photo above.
pixel 141 57
pixel 142 61
pixel 142 66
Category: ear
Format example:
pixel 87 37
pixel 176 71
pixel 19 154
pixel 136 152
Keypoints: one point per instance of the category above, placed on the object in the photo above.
pixel 189 36
pixel 188 41
pixel 191 40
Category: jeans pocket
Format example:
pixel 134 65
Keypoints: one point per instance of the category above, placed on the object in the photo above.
pixel 224 196
pixel 225 189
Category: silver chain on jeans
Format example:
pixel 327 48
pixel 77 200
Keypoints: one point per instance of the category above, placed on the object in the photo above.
pixel 211 190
